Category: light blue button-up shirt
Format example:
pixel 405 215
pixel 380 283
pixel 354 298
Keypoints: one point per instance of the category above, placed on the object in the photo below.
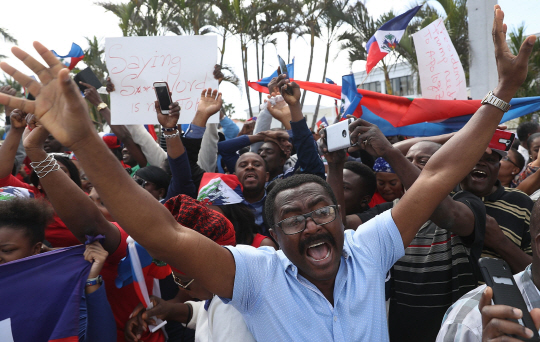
pixel 278 304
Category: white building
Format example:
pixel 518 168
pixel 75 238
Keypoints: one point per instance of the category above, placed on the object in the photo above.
pixel 402 79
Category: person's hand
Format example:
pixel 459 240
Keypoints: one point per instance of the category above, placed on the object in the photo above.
pixel 495 320
pixel 135 326
pixel 109 86
pixel 248 128
pixel 91 94
pixel 285 86
pixel 494 235
pixel 210 102
pixel 170 120
pixel 369 137
pixel 34 135
pixel 161 309
pixel 280 111
pixel 512 69
pixel 18 119
pixel 218 74
pixel 8 91
pixel 59 105
pixel 96 254
pixel 281 138
pixel 338 157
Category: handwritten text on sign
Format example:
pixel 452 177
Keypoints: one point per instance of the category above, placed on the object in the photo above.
pixel 186 63
pixel 441 72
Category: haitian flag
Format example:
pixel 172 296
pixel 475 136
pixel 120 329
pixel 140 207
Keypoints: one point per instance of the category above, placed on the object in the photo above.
pixel 220 189
pixel 419 117
pixel 350 98
pixel 41 295
pixel 75 55
pixel 262 84
pixel 322 122
pixel 387 37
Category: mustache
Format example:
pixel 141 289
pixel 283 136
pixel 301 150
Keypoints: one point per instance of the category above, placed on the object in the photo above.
pixel 324 237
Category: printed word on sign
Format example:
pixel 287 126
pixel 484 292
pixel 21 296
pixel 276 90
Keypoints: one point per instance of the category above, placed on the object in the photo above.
pixel 186 63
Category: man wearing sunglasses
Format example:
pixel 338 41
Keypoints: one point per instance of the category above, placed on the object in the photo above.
pixel 324 285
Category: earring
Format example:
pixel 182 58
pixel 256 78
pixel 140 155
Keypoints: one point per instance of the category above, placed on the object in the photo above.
pixel 513 173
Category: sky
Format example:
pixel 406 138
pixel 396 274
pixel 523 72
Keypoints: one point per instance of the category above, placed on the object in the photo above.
pixel 58 23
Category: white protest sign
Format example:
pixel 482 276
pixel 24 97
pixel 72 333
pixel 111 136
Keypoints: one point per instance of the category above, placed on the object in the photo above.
pixel 186 63
pixel 441 73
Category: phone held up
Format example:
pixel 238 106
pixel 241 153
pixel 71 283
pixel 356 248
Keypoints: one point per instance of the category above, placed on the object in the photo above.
pixel 163 96
pixel 502 140
pixel 338 136
pixel 498 276
pixel 283 68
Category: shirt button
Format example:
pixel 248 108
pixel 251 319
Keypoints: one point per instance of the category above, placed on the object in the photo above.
pixel 335 318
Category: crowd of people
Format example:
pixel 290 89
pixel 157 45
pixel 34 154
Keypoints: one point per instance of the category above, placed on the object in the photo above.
pixel 271 237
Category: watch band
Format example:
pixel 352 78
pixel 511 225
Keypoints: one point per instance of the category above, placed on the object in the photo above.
pixel 172 129
pixel 94 281
pixel 493 100
pixel 101 106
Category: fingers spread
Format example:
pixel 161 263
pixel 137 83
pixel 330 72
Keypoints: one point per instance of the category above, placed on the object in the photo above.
pixel 48 57
pixel 26 81
pixel 525 50
pixel 39 69
pixel 14 102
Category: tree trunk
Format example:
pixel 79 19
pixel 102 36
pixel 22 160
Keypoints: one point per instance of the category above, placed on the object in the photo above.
pixel 258 68
pixel 223 48
pixel 243 46
pixel 389 90
pixel 314 121
pixel 310 64
pixel 262 68
pixel 289 37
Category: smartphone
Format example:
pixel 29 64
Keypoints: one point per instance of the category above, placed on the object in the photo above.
pixel 502 140
pixel 338 136
pixel 283 68
pixel 163 96
pixel 498 276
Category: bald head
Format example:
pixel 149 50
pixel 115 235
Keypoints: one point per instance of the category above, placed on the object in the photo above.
pixel 420 153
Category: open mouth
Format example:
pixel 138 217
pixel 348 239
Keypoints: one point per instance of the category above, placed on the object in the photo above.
pixel 250 176
pixel 318 251
pixel 478 175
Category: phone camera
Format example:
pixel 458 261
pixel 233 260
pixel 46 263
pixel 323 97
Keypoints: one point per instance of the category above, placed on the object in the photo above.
pixel 344 133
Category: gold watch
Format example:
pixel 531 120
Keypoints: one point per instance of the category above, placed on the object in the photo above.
pixel 102 106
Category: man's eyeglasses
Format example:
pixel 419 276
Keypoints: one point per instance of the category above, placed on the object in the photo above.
pixel 506 158
pixel 141 182
pixel 178 282
pixel 297 224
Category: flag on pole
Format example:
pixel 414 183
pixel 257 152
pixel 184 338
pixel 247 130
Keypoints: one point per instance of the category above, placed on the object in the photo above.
pixel 350 97
pixel 387 37
pixel 322 122
pixel 41 295
pixel 262 84
pixel 75 55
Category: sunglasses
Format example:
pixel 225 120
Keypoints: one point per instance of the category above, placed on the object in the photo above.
pixel 141 182
pixel 178 282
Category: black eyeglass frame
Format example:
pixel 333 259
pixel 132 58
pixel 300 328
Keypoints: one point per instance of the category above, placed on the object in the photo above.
pixel 178 282
pixel 306 216
pixel 510 160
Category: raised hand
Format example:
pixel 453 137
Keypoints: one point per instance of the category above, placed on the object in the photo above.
pixel 369 137
pixel 247 128
pixel 96 254
pixel 290 91
pixel 59 105
pixel 210 102
pixel 170 120
pixel 35 135
pixel 9 91
pixel 280 111
pixel 91 94
pixel 512 69
pixel 110 85
pixel 495 320
pixel 18 119
pixel 336 157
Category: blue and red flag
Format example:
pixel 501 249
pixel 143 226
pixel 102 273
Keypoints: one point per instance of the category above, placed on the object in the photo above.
pixel 387 37
pixel 322 122
pixel 151 130
pixel 262 84
pixel 350 97
pixel 220 189
pixel 75 55
pixel 41 295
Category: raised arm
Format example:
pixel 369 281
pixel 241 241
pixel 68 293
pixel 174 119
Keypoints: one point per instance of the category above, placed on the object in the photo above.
pixel 8 150
pixel 61 109
pixel 451 163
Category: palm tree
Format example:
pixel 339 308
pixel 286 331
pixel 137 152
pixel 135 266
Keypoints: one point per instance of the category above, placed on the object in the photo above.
pixel 94 58
pixel 190 17
pixel 126 13
pixel 7 38
pixel 291 23
pixel 530 87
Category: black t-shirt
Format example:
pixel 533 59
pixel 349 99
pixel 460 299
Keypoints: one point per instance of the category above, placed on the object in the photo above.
pixel 438 268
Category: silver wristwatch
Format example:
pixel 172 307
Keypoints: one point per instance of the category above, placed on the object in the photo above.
pixel 495 101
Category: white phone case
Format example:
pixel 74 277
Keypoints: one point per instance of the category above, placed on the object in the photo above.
pixel 337 136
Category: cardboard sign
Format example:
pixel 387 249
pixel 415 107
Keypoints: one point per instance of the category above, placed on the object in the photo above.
pixel 441 73
pixel 186 63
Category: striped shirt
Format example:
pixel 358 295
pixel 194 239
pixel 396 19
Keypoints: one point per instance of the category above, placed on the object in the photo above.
pixel 463 321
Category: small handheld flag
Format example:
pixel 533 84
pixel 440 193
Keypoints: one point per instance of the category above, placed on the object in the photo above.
pixel 387 37
pixel 322 122
pixel 75 55
pixel 262 84
pixel 350 97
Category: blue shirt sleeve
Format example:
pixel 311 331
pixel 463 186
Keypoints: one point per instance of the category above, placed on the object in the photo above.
pixel 194 132
pixel 378 240
pixel 230 129
pixel 96 320
pixel 228 150
pixel 306 149
pixel 181 181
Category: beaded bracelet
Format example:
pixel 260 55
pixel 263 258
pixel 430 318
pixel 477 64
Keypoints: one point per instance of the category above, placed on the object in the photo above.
pixel 172 129
pixel 44 167
pixel 170 136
